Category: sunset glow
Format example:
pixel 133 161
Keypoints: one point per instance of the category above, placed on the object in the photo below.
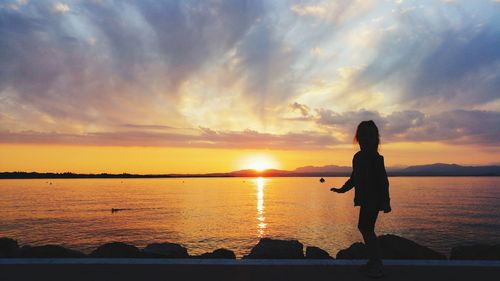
pixel 249 130
pixel 105 86
pixel 259 162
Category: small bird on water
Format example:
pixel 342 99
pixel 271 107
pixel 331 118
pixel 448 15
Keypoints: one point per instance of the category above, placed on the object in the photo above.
pixel 114 210
pixel 321 180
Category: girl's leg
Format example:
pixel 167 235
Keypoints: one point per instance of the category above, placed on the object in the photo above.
pixel 366 225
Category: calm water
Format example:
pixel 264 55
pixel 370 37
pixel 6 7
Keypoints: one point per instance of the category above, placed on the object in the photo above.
pixel 205 214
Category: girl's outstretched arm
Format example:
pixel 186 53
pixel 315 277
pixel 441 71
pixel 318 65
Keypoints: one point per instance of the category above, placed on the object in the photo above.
pixel 348 185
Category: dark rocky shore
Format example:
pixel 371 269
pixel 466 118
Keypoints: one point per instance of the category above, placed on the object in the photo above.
pixel 392 246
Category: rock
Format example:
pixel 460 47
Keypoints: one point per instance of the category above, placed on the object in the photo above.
pixel 276 249
pixel 49 251
pixel 476 252
pixel 116 250
pixel 8 248
pixel 392 247
pixel 395 247
pixel 218 254
pixel 355 252
pixel 166 250
pixel 317 253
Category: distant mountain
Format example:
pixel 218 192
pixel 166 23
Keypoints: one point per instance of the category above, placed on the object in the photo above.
pixel 437 169
pixel 441 169
pixel 253 173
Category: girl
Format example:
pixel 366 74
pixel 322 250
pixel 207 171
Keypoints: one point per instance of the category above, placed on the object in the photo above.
pixel 371 191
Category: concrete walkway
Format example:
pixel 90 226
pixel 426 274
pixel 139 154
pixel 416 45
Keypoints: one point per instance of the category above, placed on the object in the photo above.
pixel 205 269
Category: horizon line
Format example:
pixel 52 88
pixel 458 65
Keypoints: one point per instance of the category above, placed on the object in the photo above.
pixel 397 167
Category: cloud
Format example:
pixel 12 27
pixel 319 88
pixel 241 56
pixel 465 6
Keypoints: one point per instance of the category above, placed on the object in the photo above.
pixel 440 64
pixel 302 108
pixel 470 127
pixel 108 63
pixel 463 67
pixel 203 137
pixel 148 127
pixel 263 62
pixel 332 11
pixel 310 10
pixel 473 127
pixel 109 71
pixel 60 8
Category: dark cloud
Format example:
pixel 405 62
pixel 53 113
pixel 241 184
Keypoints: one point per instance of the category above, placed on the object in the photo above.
pixel 473 127
pixel 302 108
pixel 347 121
pixel 459 127
pixel 452 127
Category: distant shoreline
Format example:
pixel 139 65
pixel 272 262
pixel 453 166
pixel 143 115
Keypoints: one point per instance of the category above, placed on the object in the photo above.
pixel 430 170
pixel 120 176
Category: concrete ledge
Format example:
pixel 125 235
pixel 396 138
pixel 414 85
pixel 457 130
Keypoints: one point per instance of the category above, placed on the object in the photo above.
pixel 247 262
pixel 219 270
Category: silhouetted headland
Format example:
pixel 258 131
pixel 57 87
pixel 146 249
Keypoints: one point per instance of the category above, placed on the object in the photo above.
pixel 438 169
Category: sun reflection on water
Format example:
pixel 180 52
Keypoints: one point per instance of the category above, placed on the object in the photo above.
pixel 261 226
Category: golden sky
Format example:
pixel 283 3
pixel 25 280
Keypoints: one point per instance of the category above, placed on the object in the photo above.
pixel 113 159
pixel 214 86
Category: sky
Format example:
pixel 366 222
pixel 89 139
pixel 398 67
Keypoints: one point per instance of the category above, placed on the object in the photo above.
pixel 208 86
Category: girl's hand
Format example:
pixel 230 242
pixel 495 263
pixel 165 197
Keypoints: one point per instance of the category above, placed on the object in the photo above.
pixel 337 190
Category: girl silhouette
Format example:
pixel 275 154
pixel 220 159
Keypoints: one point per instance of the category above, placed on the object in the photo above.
pixel 371 191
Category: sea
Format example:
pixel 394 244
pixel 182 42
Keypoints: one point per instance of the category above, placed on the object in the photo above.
pixel 204 214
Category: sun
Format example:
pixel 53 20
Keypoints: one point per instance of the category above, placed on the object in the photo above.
pixel 260 166
pixel 259 162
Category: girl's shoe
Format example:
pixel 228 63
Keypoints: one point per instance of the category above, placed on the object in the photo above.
pixel 374 270
pixel 365 267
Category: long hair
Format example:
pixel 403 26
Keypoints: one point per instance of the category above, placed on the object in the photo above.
pixel 367 136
